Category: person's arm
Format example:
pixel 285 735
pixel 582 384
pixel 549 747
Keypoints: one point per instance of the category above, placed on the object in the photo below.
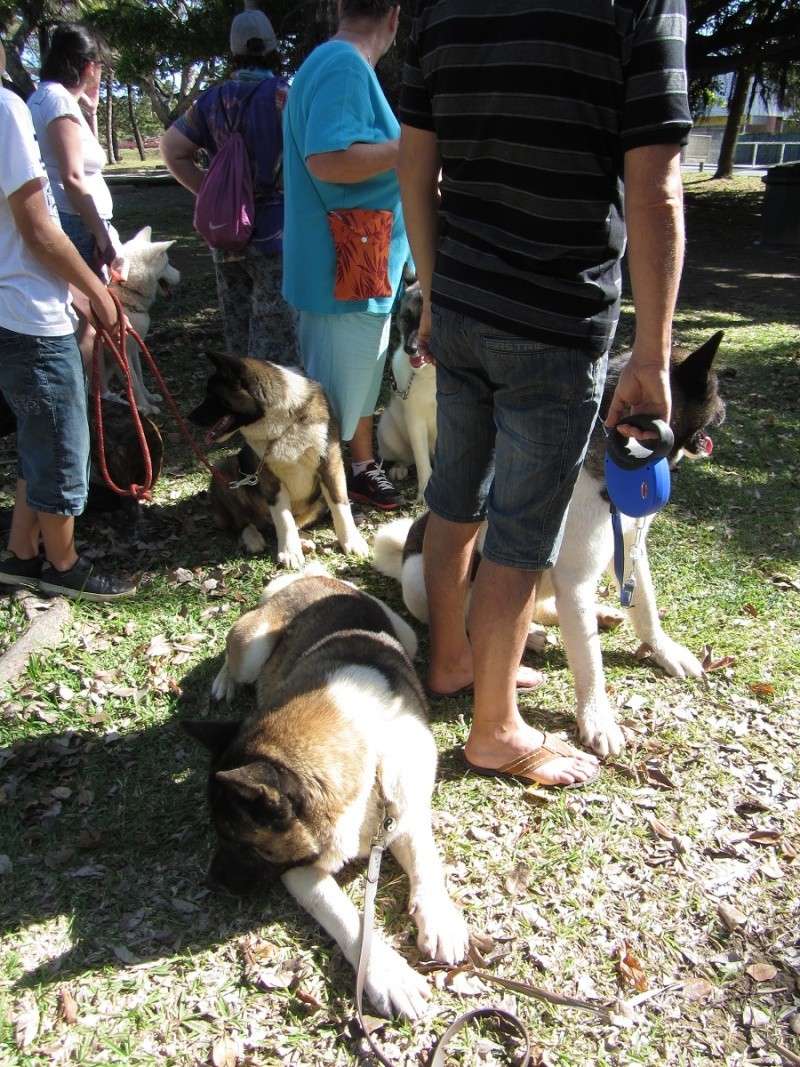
pixel 654 223
pixel 357 163
pixel 65 138
pixel 418 170
pixel 54 250
pixel 179 154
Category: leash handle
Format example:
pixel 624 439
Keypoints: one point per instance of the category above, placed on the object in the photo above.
pixel 438 1055
pixel 117 347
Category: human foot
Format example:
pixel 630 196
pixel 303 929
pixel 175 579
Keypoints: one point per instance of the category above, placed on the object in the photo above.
pixel 531 756
pixel 441 686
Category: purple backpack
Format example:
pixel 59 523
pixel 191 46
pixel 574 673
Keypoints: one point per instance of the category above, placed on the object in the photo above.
pixel 225 208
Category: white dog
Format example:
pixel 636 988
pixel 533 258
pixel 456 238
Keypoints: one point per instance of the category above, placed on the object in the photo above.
pixel 146 273
pixel 407 428
pixel 566 593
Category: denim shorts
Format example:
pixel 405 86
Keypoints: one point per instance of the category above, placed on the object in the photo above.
pixel 43 382
pixel 513 423
pixel 83 239
pixel 346 355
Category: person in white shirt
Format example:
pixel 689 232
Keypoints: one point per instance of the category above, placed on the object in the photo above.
pixel 64 110
pixel 41 373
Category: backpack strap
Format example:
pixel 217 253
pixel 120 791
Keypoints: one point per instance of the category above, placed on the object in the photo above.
pixel 243 101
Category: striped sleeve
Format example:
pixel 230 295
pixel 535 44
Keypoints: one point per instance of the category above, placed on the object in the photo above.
pixel 656 106
pixel 415 101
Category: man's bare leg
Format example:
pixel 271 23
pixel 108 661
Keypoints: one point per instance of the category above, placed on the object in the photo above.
pixel 57 532
pixel 447 558
pixel 499 616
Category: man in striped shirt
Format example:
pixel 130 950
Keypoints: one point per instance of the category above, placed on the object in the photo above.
pixel 523 122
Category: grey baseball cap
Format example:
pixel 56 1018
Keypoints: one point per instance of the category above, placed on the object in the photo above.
pixel 248 26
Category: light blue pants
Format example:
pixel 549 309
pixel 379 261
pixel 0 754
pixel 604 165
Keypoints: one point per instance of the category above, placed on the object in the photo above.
pixel 346 355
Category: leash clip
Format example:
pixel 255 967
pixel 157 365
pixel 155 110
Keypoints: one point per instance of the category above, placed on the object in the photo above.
pixel 245 482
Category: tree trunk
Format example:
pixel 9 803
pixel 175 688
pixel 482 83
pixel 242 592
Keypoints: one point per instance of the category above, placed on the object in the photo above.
pixel 109 120
pixel 135 125
pixel 736 108
pixel 17 73
pixel 112 149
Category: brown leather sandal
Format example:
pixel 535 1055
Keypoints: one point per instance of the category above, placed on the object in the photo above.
pixel 523 767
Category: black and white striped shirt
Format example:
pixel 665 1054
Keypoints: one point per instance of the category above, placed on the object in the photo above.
pixel 534 103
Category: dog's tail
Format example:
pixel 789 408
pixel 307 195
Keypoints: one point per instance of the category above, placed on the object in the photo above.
pixel 387 550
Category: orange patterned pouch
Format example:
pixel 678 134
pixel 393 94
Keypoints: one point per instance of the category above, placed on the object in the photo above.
pixel 361 239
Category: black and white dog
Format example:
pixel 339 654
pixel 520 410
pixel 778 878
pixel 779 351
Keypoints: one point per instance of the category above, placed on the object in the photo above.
pixel 566 594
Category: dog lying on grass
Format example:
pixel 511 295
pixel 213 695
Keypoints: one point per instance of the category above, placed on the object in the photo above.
pixel 340 735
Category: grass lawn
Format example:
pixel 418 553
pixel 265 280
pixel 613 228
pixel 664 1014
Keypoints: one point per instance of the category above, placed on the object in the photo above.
pixel 681 860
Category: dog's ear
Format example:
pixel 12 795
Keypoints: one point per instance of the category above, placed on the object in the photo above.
pixel 215 735
pixel 693 373
pixel 228 367
pixel 143 236
pixel 160 246
pixel 255 781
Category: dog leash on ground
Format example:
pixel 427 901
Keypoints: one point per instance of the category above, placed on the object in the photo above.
pixel 116 345
pixel 438 1057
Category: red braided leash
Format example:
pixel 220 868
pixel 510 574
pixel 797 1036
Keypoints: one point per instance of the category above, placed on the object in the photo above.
pixel 116 345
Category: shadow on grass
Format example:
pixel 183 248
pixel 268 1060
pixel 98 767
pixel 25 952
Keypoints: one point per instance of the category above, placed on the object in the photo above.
pixel 113 833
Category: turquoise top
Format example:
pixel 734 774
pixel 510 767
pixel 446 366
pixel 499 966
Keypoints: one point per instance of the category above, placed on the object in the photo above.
pixel 334 101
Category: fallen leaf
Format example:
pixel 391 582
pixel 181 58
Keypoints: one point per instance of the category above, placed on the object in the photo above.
pixel 751 609
pixel 754 1016
pixel 656 776
pixel 762 689
pixel 631 970
pixel 783 581
pixel 764 837
pixel 67 1006
pixel 281 977
pixel 517 881
pixel 158 647
pixel 731 917
pixel 225 1053
pixel 6 866
pixel 181 575
pixel 26 1021
pixel 661 829
pixel 697 989
pixel 463 981
pixel 61 792
pixel 761 972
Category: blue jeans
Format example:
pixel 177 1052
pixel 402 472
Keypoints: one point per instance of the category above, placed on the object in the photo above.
pixel 83 239
pixel 513 423
pixel 43 382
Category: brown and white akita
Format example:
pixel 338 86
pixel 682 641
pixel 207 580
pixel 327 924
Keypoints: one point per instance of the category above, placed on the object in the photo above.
pixel 292 452
pixel 340 733
pixel 566 593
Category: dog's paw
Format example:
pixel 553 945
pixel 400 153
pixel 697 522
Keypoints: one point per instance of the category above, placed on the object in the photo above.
pixel 608 618
pixel 355 545
pixel 398 473
pixel 675 659
pixel 291 556
pixel 599 731
pixel 392 986
pixel 308 546
pixel 442 932
pixel 253 541
pixel 536 641
pixel 223 687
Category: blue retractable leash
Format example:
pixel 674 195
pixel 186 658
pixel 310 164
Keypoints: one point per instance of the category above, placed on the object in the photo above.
pixel 638 483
